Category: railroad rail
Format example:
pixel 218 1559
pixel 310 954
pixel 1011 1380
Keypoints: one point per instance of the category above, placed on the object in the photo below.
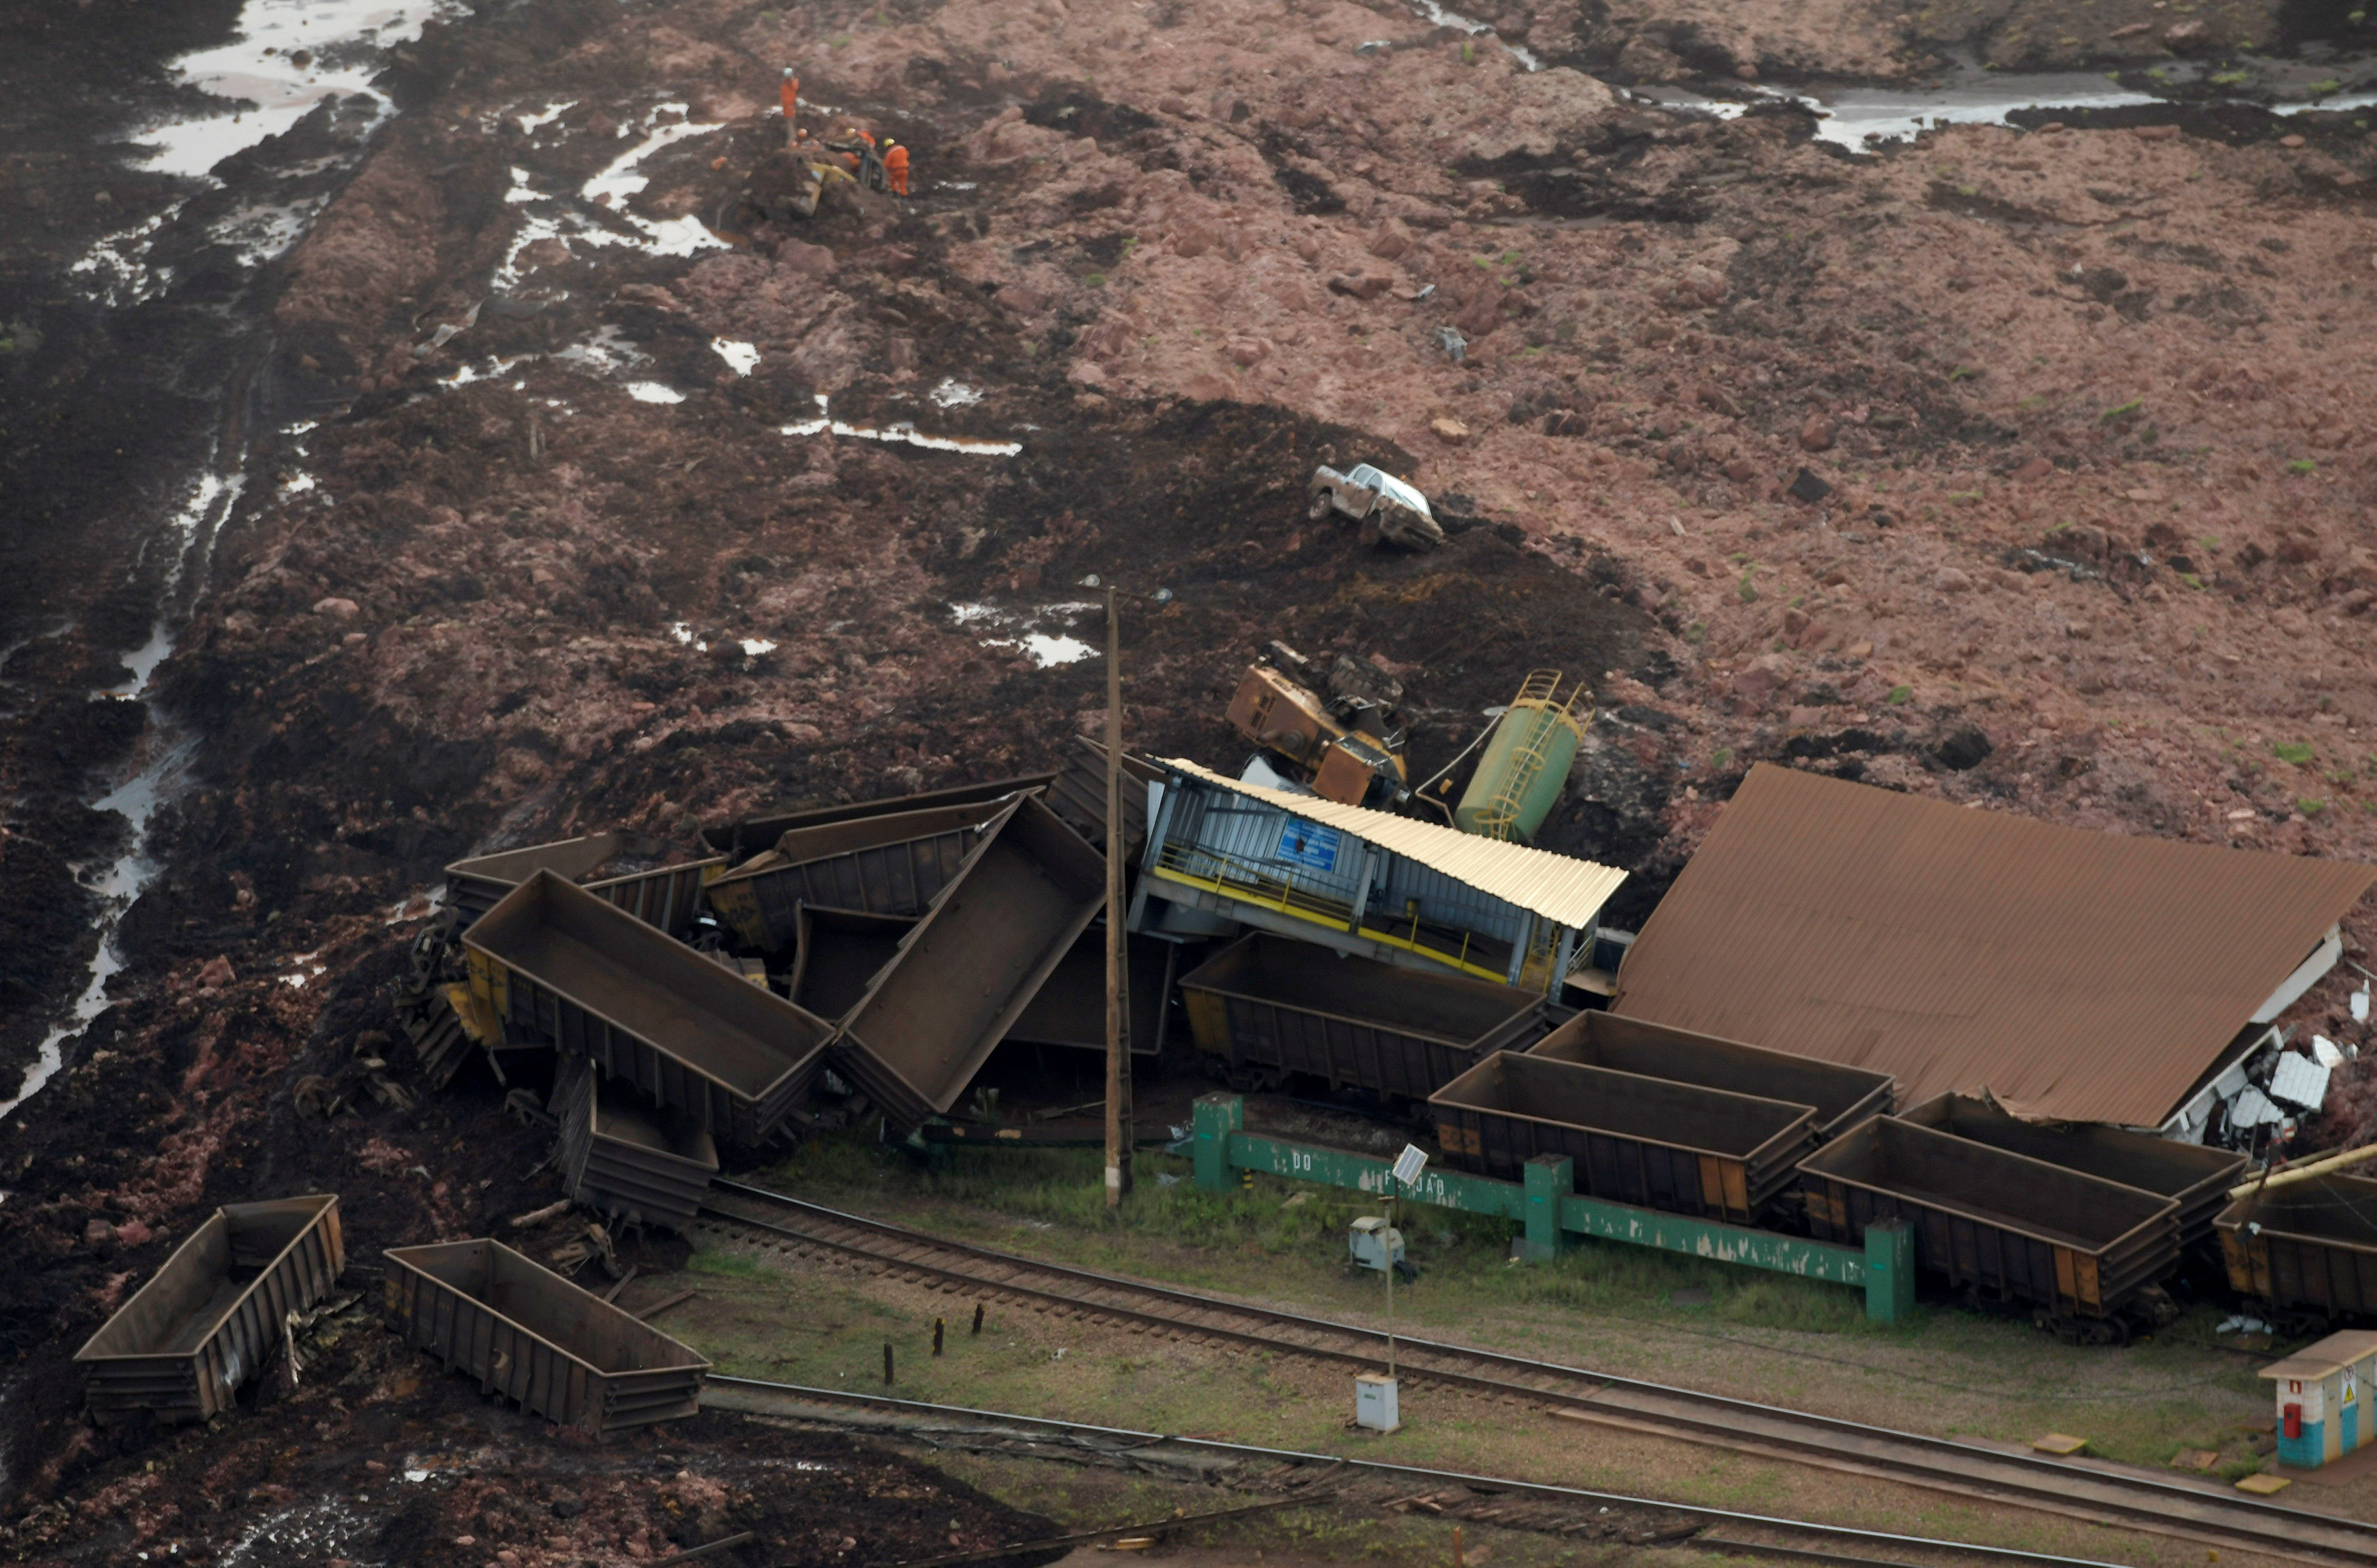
pixel 1315 1476
pixel 2091 1490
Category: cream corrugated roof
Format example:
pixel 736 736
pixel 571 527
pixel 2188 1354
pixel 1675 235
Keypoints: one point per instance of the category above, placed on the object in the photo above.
pixel 1560 888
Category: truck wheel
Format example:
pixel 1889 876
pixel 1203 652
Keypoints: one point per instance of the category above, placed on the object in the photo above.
pixel 1323 505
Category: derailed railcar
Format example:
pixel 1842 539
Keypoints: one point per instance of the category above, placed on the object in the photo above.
pixel 477 884
pixel 2192 1175
pixel 840 952
pixel 1841 1096
pixel 973 965
pixel 554 962
pixel 1648 1141
pixel 893 865
pixel 625 1159
pixel 2006 1227
pixel 2307 1248
pixel 524 1331
pixel 752 834
pixel 1265 1007
pixel 187 1339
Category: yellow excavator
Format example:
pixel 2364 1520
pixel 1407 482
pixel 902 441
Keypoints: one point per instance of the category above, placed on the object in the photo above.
pixel 1342 745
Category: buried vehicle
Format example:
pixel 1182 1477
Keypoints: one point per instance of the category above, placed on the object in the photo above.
pixel 1385 507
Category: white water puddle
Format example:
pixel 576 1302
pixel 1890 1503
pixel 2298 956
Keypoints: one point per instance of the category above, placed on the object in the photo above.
pixel 286 57
pixel 755 646
pixel 952 393
pixel 1862 118
pixel 899 431
pixel 137 798
pixel 612 190
pixel 190 532
pixel 1045 649
pixel 742 358
pixel 1440 17
pixel 653 392
pixel 117 270
pixel 531 124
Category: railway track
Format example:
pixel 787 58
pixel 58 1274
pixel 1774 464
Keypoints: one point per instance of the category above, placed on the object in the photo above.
pixel 1321 1479
pixel 2177 1507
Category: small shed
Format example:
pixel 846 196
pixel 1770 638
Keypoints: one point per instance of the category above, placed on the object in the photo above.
pixel 2322 1393
pixel 1366 883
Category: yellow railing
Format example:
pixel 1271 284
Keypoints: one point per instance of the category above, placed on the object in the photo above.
pixel 1230 878
pixel 1498 818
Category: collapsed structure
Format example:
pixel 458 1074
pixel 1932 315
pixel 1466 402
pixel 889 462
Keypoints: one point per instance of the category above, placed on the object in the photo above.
pixel 2067 974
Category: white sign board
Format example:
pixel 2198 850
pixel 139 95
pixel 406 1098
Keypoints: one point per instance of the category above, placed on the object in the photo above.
pixel 1410 1163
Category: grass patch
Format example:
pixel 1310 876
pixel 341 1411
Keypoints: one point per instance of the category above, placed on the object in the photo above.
pixel 2121 412
pixel 2299 752
pixel 2309 807
pixel 2302 465
pixel 1900 695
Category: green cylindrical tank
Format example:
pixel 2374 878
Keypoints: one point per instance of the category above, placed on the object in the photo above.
pixel 1525 766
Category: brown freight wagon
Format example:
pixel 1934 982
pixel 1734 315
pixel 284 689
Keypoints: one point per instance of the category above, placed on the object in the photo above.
pixel 2308 1247
pixel 2006 1225
pixel 624 1159
pixel 1842 1096
pixel 216 1311
pixel 526 1332
pixel 666 896
pixel 1071 1008
pixel 893 865
pixel 752 834
pixel 554 962
pixel 2195 1178
pixel 840 952
pixel 1648 1141
pixel 478 884
pixel 973 965
pixel 1267 1007
pixel 1077 795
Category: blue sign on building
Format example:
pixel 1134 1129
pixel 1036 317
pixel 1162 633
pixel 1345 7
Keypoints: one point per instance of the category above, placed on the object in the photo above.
pixel 1308 843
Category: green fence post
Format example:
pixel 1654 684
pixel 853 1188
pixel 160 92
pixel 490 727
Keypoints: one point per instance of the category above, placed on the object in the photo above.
pixel 1216 1116
pixel 1549 1178
pixel 1889 1271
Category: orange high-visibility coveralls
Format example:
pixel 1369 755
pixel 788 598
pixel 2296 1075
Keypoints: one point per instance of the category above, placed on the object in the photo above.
pixel 895 165
pixel 789 92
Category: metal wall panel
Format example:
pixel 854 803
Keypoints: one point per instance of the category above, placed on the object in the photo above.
pixel 196 1330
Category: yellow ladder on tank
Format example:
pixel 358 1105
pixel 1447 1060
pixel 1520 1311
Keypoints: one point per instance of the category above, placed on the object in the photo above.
pixel 1498 818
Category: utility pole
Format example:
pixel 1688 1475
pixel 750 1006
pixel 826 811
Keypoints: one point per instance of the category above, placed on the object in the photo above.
pixel 1118 1117
pixel 1120 1127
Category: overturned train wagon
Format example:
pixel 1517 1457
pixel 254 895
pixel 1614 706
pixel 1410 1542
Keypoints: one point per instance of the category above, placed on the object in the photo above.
pixel 1647 1141
pixel 1265 1007
pixel 2192 1175
pixel 1841 1096
pixel 2308 1247
pixel 626 1160
pixel 526 1332
pixel 973 965
pixel 893 865
pixel 2003 1225
pixel 187 1339
pixel 554 962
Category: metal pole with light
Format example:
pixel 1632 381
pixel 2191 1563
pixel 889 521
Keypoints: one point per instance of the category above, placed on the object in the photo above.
pixel 1120 1131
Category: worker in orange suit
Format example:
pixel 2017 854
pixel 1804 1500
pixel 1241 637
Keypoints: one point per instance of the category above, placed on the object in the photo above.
pixel 789 92
pixel 895 166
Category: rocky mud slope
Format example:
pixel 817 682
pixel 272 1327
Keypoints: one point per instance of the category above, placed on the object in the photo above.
pixel 570 513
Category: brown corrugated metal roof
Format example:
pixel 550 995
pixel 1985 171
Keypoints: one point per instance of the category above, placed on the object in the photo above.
pixel 1561 888
pixel 2074 975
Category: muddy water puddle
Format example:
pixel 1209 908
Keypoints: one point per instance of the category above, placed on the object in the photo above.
pixel 1863 119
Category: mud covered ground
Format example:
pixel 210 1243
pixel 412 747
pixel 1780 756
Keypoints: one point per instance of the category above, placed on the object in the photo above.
pixel 541 533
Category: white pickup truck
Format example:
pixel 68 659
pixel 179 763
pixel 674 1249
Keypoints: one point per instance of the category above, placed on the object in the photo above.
pixel 1385 507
